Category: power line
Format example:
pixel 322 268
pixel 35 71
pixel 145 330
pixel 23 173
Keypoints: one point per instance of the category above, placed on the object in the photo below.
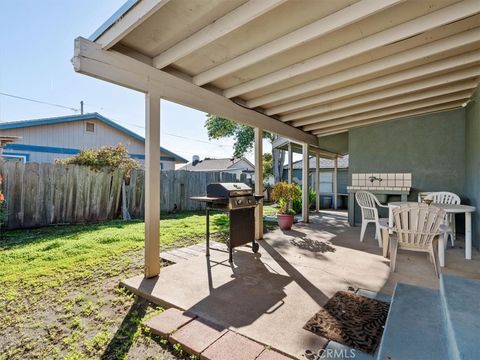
pixel 39 101
pixel 126 123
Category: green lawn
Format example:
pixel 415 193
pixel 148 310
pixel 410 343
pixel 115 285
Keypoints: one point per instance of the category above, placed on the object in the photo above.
pixel 60 296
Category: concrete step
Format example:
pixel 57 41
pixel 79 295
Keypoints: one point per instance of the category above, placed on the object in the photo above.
pixel 374 295
pixel 415 326
pixel 460 300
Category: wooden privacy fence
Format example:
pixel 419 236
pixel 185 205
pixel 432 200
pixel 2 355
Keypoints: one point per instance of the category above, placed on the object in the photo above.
pixel 46 194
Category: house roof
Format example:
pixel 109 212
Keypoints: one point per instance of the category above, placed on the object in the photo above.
pixel 215 164
pixel 324 163
pixel 70 118
pixel 308 72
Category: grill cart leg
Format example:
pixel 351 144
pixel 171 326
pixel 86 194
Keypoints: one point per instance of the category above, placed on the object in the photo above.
pixel 207 213
pixel 230 249
pixel 255 246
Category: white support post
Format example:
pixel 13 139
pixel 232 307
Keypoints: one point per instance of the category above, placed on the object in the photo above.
pixel 305 171
pixel 335 183
pixel 290 163
pixel 317 181
pixel 259 182
pixel 152 185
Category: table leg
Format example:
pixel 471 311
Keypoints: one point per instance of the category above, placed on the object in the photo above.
pixel 207 213
pixel 468 236
pixel 386 240
pixel 390 219
pixel 441 249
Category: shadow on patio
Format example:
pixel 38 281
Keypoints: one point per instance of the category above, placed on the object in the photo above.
pixel 270 296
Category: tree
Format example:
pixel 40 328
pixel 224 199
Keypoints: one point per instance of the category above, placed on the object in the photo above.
pixel 218 127
pixel 267 165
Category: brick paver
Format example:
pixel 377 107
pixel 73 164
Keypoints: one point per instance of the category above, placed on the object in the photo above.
pixel 232 346
pixel 168 321
pixel 197 335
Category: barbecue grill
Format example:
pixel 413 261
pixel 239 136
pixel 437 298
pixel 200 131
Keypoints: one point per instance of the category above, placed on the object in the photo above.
pixel 238 201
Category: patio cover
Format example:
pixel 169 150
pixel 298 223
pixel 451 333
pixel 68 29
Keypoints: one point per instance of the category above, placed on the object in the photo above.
pixel 301 69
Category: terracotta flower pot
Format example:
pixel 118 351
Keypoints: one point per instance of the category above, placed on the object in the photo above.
pixel 285 221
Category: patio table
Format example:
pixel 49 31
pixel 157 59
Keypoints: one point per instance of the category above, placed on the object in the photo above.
pixel 449 208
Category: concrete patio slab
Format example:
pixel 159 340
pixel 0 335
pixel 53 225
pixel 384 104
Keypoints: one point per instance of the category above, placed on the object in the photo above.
pixel 233 346
pixel 270 296
pixel 168 322
pixel 197 335
pixel 269 354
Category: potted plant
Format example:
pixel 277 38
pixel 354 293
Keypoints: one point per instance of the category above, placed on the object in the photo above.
pixel 283 194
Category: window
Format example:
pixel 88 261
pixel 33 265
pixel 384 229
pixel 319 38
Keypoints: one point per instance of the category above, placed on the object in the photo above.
pixel 90 127
pixel 326 182
pixel 14 158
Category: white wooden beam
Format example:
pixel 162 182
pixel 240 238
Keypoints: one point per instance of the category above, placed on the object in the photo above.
pixel 326 25
pixel 141 11
pixel 290 163
pixel 259 182
pixel 399 116
pixel 391 110
pixel 305 174
pixel 423 52
pixel 449 82
pixel 332 133
pixel 152 185
pixel 317 182
pixel 335 183
pixel 230 22
pixel 120 69
pixel 382 104
pixel 388 81
pixel 397 33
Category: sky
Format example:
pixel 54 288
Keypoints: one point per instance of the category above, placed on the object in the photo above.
pixel 36 45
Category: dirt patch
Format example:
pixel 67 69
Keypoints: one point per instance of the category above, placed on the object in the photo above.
pixel 87 315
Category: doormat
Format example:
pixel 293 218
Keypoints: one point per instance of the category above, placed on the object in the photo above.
pixel 352 320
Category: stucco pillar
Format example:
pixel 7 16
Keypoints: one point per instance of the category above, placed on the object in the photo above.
pixel 259 182
pixel 290 163
pixel 305 171
pixel 335 183
pixel 152 185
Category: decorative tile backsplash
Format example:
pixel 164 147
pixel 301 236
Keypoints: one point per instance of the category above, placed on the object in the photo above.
pixel 376 180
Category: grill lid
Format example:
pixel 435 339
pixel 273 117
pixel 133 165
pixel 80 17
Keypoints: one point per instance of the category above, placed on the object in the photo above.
pixel 227 190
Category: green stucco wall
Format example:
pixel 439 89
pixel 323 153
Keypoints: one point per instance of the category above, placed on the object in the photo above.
pixel 337 143
pixel 431 147
pixel 472 161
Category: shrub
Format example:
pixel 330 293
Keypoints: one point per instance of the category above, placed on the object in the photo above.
pixel 114 157
pixel 297 202
pixel 284 193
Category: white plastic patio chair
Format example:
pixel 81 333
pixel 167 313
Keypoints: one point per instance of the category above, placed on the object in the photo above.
pixel 368 204
pixel 445 197
pixel 416 226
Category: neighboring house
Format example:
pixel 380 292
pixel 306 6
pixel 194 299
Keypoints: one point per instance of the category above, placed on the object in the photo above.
pixel 229 165
pixel 4 140
pixel 326 176
pixel 47 139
